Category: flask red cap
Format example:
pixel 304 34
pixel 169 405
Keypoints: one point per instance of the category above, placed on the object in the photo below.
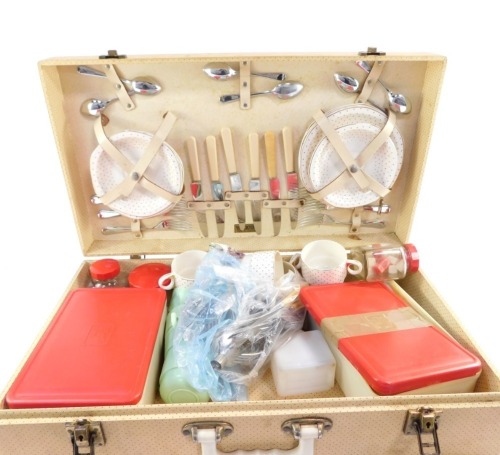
pixel 147 275
pixel 412 257
pixel 104 269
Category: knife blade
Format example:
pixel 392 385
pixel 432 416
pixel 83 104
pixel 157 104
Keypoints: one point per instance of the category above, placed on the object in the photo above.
pixel 196 189
pixel 291 175
pixel 217 188
pixel 234 176
pixel 274 183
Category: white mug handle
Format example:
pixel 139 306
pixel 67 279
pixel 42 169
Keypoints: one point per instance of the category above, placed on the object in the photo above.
pixel 165 277
pixel 354 267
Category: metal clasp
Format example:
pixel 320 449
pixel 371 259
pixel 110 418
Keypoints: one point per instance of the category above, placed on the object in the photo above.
pixel 112 54
pixel 294 426
pixel 424 421
pixel 85 435
pixel 371 51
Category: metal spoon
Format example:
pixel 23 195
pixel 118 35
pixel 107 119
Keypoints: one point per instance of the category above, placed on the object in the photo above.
pixel 222 72
pixel 346 83
pixel 137 86
pixel 283 91
pixel 94 106
pixel 397 102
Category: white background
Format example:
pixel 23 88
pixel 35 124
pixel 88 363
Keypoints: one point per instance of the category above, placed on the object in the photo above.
pixel 457 220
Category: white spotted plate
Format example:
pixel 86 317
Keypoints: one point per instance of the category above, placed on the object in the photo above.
pixel 165 170
pixel 325 165
pixel 354 114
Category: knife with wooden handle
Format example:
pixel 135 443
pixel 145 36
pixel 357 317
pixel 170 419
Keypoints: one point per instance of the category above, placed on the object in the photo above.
pixel 291 175
pixel 234 176
pixel 196 189
pixel 274 183
pixel 213 164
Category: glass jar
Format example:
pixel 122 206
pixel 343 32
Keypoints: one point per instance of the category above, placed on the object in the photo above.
pixel 387 262
pixel 104 273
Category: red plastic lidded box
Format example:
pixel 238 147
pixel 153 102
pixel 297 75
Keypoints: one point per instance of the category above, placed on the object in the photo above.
pixel 102 348
pixel 384 347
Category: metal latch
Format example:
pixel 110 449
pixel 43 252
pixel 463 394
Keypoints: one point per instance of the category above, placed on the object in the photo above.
pixel 294 426
pixel 424 421
pixel 112 54
pixel 371 51
pixel 85 435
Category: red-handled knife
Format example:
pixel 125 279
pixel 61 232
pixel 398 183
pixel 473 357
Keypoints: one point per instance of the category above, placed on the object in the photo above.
pixel 274 183
pixel 196 189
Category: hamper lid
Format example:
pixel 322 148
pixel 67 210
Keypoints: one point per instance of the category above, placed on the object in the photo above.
pixel 96 351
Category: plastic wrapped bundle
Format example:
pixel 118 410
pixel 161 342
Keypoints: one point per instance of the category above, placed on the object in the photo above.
pixel 231 322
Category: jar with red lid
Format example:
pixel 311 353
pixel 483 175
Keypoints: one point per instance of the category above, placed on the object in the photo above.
pixel 105 273
pixel 386 261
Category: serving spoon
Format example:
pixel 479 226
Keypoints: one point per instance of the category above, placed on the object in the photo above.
pixel 223 72
pixel 142 87
pixel 94 106
pixel 283 91
pixel 397 102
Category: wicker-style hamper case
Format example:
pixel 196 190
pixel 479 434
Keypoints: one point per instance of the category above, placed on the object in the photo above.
pixel 187 113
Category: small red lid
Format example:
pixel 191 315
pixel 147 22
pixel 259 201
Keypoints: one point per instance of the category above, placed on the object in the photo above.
pixel 104 269
pixel 412 257
pixel 147 275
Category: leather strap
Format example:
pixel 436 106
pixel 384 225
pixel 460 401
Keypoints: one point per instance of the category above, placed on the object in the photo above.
pixel 121 91
pixel 363 158
pixel 129 167
pixel 245 84
pixel 352 167
pixel 370 82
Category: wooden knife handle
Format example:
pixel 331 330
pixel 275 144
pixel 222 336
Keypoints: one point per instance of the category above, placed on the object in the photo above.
pixel 212 157
pixel 270 141
pixel 193 158
pixel 253 146
pixel 227 142
pixel 288 148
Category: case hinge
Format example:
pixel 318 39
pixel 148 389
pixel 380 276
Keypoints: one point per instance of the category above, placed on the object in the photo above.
pixel 85 435
pixel 112 54
pixel 371 51
pixel 424 421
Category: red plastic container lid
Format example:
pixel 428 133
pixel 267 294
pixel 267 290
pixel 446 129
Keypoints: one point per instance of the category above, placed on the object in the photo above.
pixel 147 275
pixel 104 269
pixel 348 298
pixel 413 257
pixel 405 360
pixel 96 351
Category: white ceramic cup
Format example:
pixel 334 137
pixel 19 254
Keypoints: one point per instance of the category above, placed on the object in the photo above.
pixel 183 272
pixel 325 262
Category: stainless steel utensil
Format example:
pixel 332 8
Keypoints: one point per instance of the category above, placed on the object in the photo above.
pixel 142 87
pixel 217 188
pixel 234 176
pixel 196 189
pixel 222 72
pixel 94 107
pixel 283 91
pixel 169 223
pixel 346 83
pixel 397 102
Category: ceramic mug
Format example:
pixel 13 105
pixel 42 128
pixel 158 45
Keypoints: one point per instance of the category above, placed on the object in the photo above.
pixel 183 272
pixel 325 262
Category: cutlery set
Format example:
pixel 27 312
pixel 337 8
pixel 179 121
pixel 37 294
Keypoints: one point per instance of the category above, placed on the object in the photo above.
pixel 253 202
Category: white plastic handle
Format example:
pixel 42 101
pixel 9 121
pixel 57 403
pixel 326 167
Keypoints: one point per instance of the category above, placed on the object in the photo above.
pixel 308 434
pixel 354 267
pixel 168 276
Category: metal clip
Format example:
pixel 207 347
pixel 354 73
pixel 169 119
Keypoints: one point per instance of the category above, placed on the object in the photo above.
pixel 293 426
pixel 221 429
pixel 85 435
pixel 371 51
pixel 424 421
